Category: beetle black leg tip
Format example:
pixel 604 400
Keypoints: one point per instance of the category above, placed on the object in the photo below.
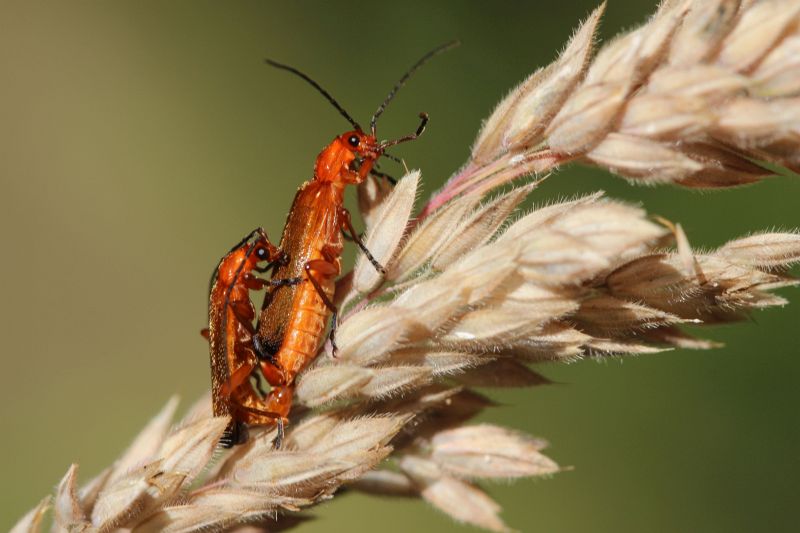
pixel 234 435
pixel 277 442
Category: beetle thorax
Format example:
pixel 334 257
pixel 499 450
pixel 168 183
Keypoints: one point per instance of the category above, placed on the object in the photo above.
pixel 343 162
pixel 230 266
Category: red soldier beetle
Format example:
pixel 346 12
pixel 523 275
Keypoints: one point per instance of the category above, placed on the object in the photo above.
pixel 230 334
pixel 293 320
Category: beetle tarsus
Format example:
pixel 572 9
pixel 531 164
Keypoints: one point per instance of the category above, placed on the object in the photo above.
pixel 332 334
pixel 277 442
pixel 348 224
pixel 384 175
pixel 236 433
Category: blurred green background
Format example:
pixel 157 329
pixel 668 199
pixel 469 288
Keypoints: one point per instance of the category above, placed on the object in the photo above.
pixel 140 140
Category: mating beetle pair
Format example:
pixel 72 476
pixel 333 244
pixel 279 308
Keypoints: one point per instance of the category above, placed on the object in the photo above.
pixel 299 298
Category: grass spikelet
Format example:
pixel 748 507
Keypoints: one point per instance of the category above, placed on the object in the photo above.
pixel 475 295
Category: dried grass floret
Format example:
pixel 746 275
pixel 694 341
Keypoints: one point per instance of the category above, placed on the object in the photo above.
pixel 473 295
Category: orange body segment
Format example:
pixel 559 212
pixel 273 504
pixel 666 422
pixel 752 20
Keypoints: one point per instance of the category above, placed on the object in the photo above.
pixel 298 303
pixel 312 239
pixel 230 331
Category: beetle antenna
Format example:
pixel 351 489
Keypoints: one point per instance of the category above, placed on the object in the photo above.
pixel 319 88
pixel 423 122
pixel 424 59
pixel 392 157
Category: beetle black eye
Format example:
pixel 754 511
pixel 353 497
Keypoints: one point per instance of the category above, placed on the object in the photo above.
pixel 353 140
pixel 261 253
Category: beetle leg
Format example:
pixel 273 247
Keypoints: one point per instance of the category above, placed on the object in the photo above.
pixel 383 175
pixel 330 269
pixel 258 379
pixel 347 223
pixel 248 351
pixel 332 334
pixel 278 440
pixel 272 410
pixel 249 408
pixel 235 433
pixel 244 312
pixel 350 238
pixel 271 372
pixel 279 401
pixel 236 379
pixel 244 332
pixel 285 282
pixel 255 283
